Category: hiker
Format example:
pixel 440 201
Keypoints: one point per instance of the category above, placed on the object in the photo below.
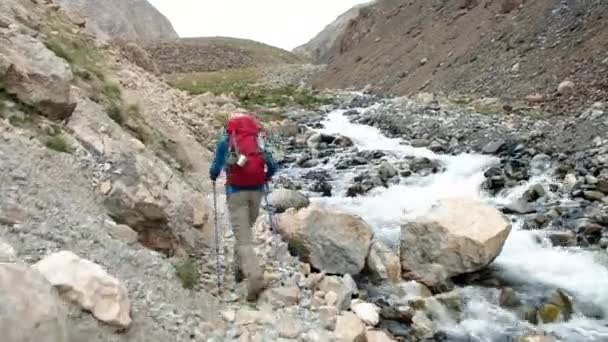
pixel 248 168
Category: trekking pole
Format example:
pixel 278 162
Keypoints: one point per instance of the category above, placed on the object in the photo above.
pixel 270 210
pixel 217 240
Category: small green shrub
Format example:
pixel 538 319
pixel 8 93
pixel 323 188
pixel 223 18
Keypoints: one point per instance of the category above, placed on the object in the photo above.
pixel 115 113
pixel 58 143
pixel 112 92
pixel 188 273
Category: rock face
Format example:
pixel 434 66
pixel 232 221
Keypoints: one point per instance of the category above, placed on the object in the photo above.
pixel 36 76
pixel 331 241
pixel 437 54
pixel 131 20
pixel 30 309
pixel 317 48
pixel 457 236
pixel 87 284
pixel 283 199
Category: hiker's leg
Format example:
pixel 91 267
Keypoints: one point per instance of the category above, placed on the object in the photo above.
pixel 255 201
pixel 256 276
pixel 239 215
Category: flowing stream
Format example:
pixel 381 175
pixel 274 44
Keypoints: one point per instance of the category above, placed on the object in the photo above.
pixel 527 261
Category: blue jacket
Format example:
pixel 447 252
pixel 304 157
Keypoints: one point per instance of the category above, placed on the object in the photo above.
pixel 219 161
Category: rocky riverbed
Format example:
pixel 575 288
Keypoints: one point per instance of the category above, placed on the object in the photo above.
pixel 390 160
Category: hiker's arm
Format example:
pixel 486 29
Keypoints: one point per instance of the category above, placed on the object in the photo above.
pixel 271 165
pixel 219 159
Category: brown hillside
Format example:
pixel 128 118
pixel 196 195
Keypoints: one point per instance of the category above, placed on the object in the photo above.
pixel 215 53
pixel 506 48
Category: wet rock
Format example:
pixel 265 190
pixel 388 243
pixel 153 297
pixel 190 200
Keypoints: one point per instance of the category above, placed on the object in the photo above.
pixel 549 313
pixel 422 326
pixel 349 328
pixel 451 301
pixel 396 329
pixel 36 76
pixel 87 284
pixel 535 193
pixel 331 241
pixel 602 186
pixel 30 309
pixel 458 236
pixel 562 238
pixel 322 187
pixel 519 206
pixel 367 312
pixel 536 338
pixel 493 147
pixel 382 263
pixel 420 142
pixel 282 199
pixel 386 171
pixel 508 298
pixel 423 164
pixel 593 195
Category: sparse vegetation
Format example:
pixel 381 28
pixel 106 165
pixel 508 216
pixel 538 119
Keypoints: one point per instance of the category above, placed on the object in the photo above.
pixel 243 83
pixel 58 143
pixel 188 273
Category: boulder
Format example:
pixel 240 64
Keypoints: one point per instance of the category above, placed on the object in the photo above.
pixel 457 236
pixel 328 316
pixel 331 241
pixel 30 309
pixel 382 263
pixel 349 328
pixel 36 76
pixel 282 199
pixel 378 336
pixel 281 296
pixel 566 87
pixel 338 291
pixel 386 171
pixel 87 284
pixel 367 312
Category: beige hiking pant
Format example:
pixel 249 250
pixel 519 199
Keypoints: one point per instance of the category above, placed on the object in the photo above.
pixel 243 208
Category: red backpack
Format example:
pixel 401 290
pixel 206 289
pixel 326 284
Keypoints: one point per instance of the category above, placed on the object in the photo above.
pixel 243 132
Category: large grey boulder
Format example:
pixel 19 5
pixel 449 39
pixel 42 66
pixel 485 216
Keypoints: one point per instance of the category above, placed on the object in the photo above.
pixel 88 284
pixel 457 236
pixel 30 309
pixel 283 199
pixel 36 76
pixel 335 242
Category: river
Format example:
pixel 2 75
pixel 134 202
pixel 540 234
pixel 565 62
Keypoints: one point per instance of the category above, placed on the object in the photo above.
pixel 528 262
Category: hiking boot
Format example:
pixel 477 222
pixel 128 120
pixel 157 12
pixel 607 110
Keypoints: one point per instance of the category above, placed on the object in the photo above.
pixel 254 288
pixel 238 275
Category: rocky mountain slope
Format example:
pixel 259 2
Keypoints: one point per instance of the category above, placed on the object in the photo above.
pixel 135 20
pixel 317 49
pixel 189 55
pixel 509 49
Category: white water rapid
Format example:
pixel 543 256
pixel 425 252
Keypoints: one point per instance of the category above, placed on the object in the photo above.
pixel 525 260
